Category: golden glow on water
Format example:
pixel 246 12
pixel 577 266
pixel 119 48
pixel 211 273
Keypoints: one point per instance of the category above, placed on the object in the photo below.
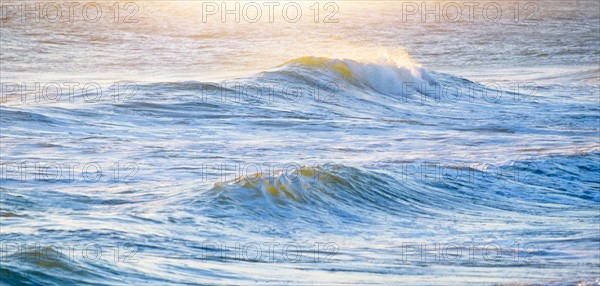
pixel 414 164
pixel 320 62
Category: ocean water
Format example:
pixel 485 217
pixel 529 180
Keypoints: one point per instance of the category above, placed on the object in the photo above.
pixel 365 144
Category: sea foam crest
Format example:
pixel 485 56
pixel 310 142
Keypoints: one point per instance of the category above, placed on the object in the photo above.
pixel 385 74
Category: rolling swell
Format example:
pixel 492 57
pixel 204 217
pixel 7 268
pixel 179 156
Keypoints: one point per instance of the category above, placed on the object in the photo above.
pixel 535 187
pixel 321 85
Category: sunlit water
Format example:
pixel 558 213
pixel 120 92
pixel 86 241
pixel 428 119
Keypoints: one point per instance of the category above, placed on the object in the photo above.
pixel 369 151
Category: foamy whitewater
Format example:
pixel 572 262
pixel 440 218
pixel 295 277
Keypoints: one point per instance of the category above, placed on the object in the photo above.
pixel 373 150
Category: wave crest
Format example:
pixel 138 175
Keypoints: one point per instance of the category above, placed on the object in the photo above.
pixel 386 74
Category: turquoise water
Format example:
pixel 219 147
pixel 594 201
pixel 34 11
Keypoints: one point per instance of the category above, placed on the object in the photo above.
pixel 370 151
